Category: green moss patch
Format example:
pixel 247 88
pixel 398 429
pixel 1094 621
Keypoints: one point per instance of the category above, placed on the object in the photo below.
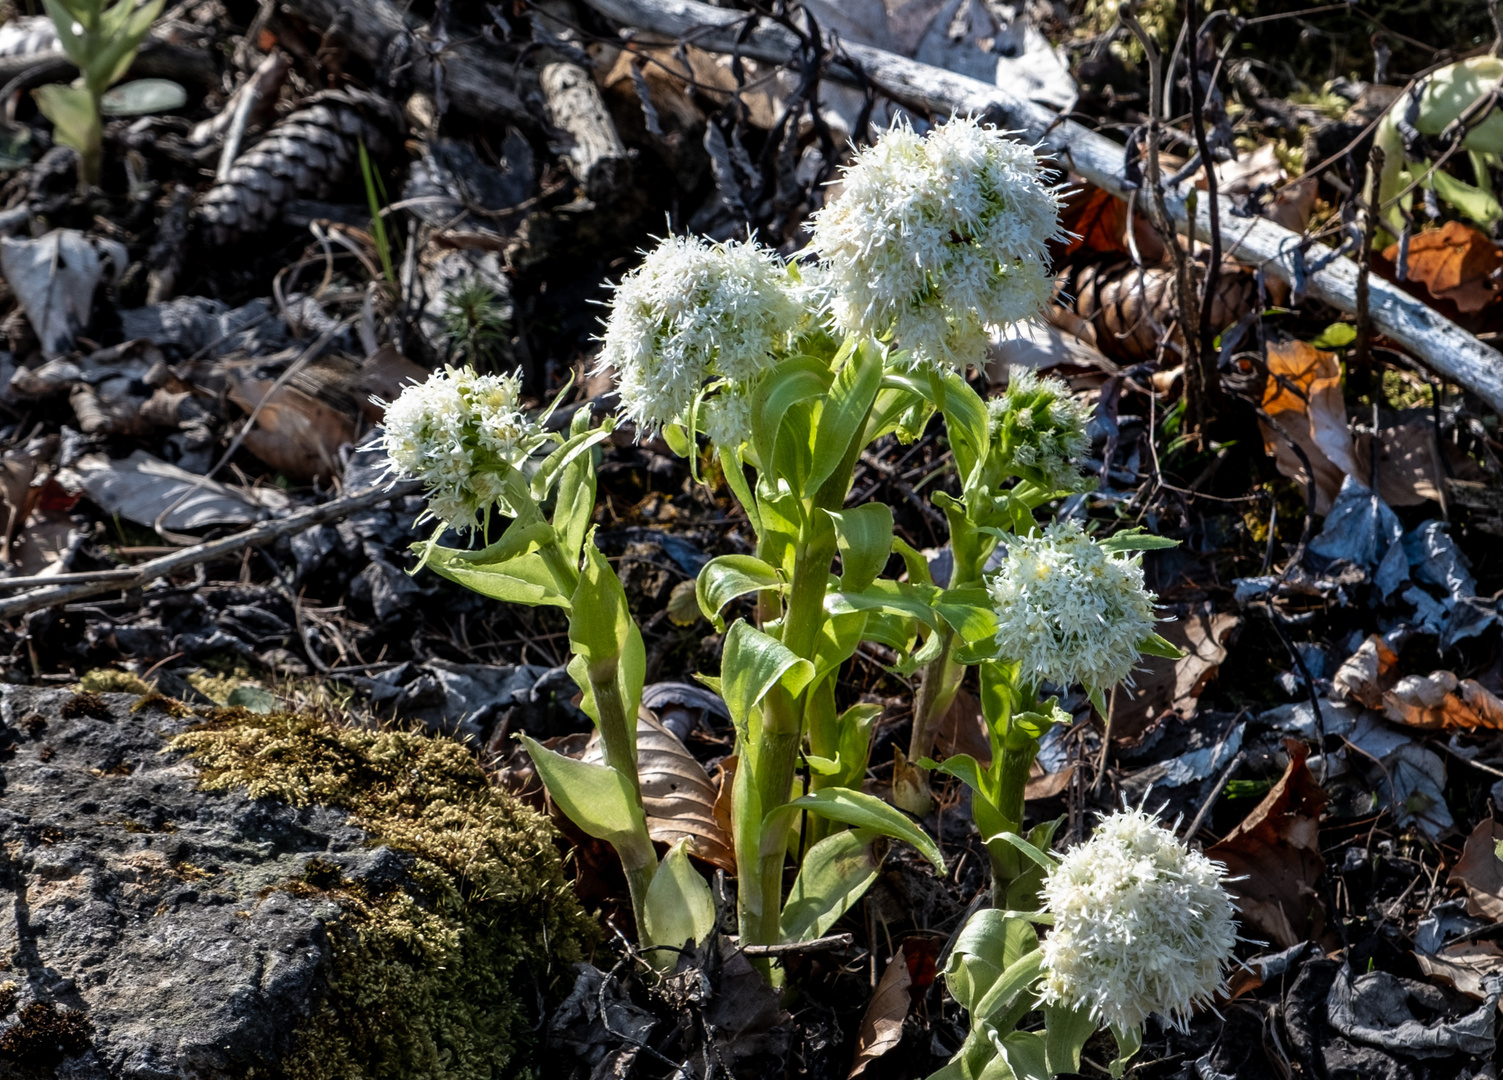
pixel 434 981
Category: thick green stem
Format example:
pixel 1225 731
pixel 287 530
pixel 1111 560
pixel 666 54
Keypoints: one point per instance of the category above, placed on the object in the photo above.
pixel 775 759
pixel 1008 864
pixel 938 682
pixel 619 748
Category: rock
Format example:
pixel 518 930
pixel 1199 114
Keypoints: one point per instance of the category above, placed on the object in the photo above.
pixel 151 928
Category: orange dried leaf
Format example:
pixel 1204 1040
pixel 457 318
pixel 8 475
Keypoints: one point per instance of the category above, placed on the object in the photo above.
pixel 1098 220
pixel 1480 872
pixel 1303 396
pixel 882 1026
pixel 1455 262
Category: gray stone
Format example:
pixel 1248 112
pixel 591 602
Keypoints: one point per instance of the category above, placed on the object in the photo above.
pixel 156 909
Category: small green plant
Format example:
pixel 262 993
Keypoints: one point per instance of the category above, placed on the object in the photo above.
pixel 101 41
pixel 474 324
pixel 375 197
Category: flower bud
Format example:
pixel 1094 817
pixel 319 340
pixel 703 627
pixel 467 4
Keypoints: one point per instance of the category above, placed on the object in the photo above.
pixel 1039 429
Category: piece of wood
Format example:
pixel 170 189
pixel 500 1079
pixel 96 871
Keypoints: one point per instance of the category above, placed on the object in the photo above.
pixel 1442 345
pixel 596 156
pixel 475 77
pixel 189 557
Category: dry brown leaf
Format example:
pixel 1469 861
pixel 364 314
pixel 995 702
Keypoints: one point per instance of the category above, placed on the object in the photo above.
pixel 1303 396
pixel 962 730
pixel 1464 966
pixel 1438 701
pixel 1042 785
pixel 1274 857
pixel 1455 262
pixel 677 793
pixel 303 422
pixel 1367 674
pixel 1097 219
pixel 1480 872
pixel 882 1026
pixel 1409 463
pixel 1163 687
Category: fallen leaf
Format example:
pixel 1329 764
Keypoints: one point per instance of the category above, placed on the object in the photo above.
pixel 1274 857
pixel 962 730
pixel 1164 687
pixel 142 488
pixel 882 1026
pixel 1480 872
pixel 677 793
pixel 1303 396
pixel 1465 966
pixel 1097 219
pixel 1367 674
pixel 1455 262
pixel 54 278
pixel 1410 469
pixel 1039 346
pixel 302 423
pixel 1046 785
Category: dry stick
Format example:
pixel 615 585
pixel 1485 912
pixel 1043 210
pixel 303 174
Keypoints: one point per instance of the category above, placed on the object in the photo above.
pixel 263 533
pixel 1207 381
pixel 1444 347
pixel 1362 348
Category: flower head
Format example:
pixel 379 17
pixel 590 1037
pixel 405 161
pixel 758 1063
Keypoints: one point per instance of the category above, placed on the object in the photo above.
pixel 938 238
pixel 461 433
pixel 1070 611
pixel 694 311
pixel 1039 428
pixel 1142 925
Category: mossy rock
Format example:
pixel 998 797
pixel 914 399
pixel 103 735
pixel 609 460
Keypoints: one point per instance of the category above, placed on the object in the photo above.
pixel 439 979
pixel 273 896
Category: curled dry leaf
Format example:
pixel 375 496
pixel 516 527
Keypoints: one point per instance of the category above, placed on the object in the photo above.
pixel 1455 262
pixel 677 793
pixel 1274 857
pixel 882 1026
pixel 1435 702
pixel 1303 397
pixel 1479 871
pixel 301 424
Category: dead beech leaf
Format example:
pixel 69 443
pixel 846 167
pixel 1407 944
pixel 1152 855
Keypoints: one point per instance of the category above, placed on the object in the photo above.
pixel 882 1026
pixel 1464 966
pixel 1440 701
pixel 1098 221
pixel 677 793
pixel 1480 872
pixel 1274 857
pixel 1042 785
pixel 301 424
pixel 1303 396
pixel 962 730
pixel 1410 469
pixel 1367 674
pixel 1166 687
pixel 1455 262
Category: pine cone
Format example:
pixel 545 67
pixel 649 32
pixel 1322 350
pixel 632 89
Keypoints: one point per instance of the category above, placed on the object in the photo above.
pixel 303 156
pixel 1133 309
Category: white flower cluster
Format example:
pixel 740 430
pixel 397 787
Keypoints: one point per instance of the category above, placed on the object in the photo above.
pixel 461 433
pixel 1142 925
pixel 938 238
pixel 693 312
pixel 1070 611
pixel 1039 426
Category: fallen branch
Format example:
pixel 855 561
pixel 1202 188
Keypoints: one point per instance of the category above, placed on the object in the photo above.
pixel 596 157
pixel 468 72
pixel 1443 346
pixel 264 533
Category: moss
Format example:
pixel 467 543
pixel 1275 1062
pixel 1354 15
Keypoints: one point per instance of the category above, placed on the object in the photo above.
pixel 43 1036
pixel 438 980
pixel 85 704
pixel 113 681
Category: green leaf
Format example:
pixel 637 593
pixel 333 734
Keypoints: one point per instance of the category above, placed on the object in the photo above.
pixel 726 577
pixel 1136 540
pixel 1065 1033
pixel 836 872
pixel 127 29
pixel 864 534
pixel 988 944
pixel 915 562
pixel 141 97
pixel 605 637
pixel 74 47
pixel 869 812
pixel 839 637
pixel 888 597
pixel 1480 205
pixel 525 579
pixel 253 698
pixel 677 438
pixel 1128 1044
pixel 751 664
pixel 595 797
pixel 799 378
pixel 1026 1055
pixel 970 613
pixel 968 771
pixel 574 508
pixel 553 466
pixel 74 118
pixel 1336 336
pixel 733 468
pixel 1019 976
pixel 1155 645
pixel 842 416
pixel 1027 849
pixel 966 421
pixel 679 908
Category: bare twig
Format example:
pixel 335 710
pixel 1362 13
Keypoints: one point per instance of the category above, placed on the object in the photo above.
pixel 1202 404
pixel 264 533
pixel 789 948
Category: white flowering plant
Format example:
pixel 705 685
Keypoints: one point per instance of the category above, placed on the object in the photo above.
pixel 482 457
pixel 1139 924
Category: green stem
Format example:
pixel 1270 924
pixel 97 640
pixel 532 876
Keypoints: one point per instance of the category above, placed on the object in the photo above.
pixel 938 682
pixel 619 748
pixel 775 759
